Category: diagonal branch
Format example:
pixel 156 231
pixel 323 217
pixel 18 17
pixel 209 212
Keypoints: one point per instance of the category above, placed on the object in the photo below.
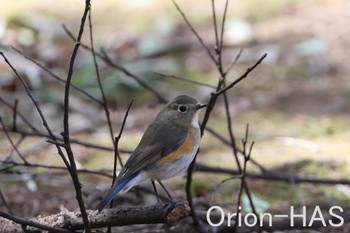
pixel 107 60
pixel 234 61
pixel 243 76
pixel 199 38
pixel 13 144
pixel 36 104
pixel 20 115
pixel 184 79
pixel 53 75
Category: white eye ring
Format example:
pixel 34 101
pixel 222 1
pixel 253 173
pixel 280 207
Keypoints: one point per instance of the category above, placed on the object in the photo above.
pixel 182 108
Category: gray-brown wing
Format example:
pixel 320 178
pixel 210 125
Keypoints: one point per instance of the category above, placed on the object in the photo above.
pixel 155 143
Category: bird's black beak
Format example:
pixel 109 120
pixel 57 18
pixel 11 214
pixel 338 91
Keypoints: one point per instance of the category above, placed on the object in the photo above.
pixel 199 106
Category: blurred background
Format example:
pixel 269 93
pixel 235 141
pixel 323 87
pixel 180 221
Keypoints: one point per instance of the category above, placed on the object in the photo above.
pixel 296 102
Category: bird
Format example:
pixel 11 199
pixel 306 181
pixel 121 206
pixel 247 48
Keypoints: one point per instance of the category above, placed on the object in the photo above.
pixel 166 149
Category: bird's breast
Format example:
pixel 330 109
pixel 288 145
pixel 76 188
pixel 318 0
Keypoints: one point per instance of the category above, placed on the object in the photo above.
pixel 176 162
pixel 186 148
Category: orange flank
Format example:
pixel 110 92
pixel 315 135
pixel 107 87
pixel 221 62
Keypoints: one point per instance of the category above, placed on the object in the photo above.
pixel 186 147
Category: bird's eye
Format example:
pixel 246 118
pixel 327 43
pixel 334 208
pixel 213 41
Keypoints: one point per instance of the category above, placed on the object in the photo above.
pixel 182 108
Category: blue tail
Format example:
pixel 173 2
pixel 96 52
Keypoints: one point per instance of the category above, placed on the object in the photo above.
pixel 113 191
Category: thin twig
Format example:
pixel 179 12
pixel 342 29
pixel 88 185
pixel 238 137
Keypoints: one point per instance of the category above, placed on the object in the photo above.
pixel 227 143
pixel 107 60
pixel 221 43
pixel 220 86
pixel 138 79
pixel 243 76
pixel 243 185
pixel 199 38
pixel 36 104
pixel 104 99
pixel 19 114
pixel 234 61
pixel 14 120
pixel 60 144
pixel 53 75
pixel 272 176
pixel 188 190
pixel 73 140
pixel 116 147
pixel 184 79
pixel 65 134
pixel 50 167
pixel 217 45
pixel 12 144
pixel 230 131
pixel 4 201
pixel 20 140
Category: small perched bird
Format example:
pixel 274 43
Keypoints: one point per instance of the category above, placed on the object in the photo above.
pixel 166 149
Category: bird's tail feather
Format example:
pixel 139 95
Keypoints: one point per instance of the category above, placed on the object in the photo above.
pixel 114 190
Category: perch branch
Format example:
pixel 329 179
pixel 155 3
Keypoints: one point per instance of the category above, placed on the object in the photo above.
pixel 160 213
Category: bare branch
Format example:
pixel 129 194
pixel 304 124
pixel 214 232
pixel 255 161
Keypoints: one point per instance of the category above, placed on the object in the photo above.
pixel 230 131
pixel 50 167
pixel 116 147
pixel 14 121
pixel 104 99
pixel 243 76
pixel 107 60
pixel 221 44
pixel 199 38
pixel 53 75
pixel 36 104
pixel 227 143
pixel 216 33
pixel 19 114
pixel 4 201
pixel 273 176
pixel 65 134
pixel 184 79
pixel 73 140
pixel 10 140
pixel 243 172
pixel 138 79
pixel 234 61
pixel 160 213
pixel 8 226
